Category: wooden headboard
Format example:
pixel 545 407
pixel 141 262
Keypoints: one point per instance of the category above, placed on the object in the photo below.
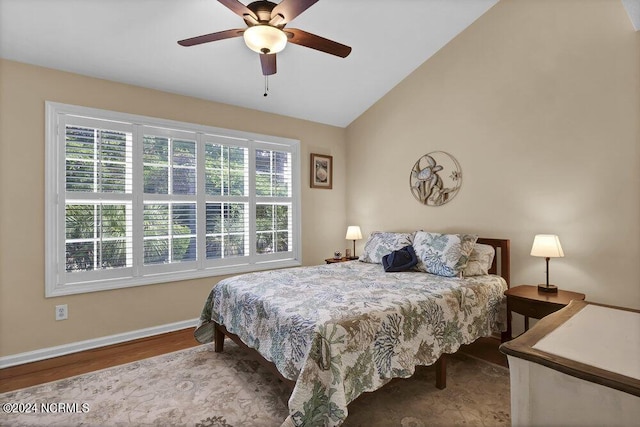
pixel 502 261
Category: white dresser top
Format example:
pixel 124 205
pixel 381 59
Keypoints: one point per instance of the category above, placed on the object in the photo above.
pixel 603 337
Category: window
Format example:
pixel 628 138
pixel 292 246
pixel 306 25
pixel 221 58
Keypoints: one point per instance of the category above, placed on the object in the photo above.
pixel 134 200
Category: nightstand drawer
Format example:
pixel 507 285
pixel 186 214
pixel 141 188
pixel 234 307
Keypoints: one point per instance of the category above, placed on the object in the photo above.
pixel 535 309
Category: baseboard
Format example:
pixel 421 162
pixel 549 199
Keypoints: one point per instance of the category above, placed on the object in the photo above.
pixel 61 350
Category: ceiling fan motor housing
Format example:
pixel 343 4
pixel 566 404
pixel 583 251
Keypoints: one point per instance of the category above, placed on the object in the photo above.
pixel 262 9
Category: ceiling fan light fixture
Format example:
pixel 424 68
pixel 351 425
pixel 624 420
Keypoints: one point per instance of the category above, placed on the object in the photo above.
pixel 265 39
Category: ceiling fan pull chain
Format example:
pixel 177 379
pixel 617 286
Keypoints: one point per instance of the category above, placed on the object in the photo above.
pixel 266 85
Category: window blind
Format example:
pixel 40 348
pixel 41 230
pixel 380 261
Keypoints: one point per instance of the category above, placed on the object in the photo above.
pixel 140 200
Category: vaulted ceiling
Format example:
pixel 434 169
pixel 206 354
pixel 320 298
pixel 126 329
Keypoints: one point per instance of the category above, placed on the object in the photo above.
pixel 135 42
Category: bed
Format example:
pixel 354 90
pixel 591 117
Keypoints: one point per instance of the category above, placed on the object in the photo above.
pixel 332 332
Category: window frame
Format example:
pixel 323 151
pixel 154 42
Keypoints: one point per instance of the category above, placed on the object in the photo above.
pixel 56 281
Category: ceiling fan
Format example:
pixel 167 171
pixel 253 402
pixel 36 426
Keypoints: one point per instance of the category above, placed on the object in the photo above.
pixel 265 33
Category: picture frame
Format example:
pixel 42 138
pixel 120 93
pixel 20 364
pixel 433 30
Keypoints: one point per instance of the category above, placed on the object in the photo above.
pixel 321 171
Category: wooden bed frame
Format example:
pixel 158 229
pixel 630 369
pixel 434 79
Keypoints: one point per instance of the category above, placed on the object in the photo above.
pixel 501 266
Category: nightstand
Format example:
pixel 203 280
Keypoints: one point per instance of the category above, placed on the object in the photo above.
pixel 343 259
pixel 526 300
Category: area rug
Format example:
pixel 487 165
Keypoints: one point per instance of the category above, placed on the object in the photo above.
pixel 198 387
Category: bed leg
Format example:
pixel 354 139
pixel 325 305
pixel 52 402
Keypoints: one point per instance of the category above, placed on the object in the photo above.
pixel 441 372
pixel 218 339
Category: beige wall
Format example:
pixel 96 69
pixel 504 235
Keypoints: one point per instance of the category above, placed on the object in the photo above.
pixel 26 317
pixel 538 100
pixel 540 103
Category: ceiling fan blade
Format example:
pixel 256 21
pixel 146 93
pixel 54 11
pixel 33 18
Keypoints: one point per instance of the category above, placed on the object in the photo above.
pixel 206 38
pixel 239 9
pixel 268 62
pixel 312 41
pixel 289 9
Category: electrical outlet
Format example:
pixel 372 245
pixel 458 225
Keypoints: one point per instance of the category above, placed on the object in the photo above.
pixel 62 312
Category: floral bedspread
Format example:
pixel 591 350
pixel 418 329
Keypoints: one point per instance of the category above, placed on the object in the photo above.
pixel 343 329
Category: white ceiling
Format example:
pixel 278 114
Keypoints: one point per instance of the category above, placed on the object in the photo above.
pixel 633 9
pixel 134 41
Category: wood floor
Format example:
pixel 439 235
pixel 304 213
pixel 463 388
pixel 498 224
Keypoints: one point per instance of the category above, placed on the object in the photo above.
pixel 57 368
pixel 70 365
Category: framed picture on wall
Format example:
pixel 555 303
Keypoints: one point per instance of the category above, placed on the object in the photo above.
pixel 321 171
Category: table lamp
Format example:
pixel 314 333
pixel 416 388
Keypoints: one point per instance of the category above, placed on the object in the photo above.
pixel 547 246
pixel 354 233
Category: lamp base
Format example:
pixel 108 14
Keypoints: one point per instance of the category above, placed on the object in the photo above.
pixel 550 289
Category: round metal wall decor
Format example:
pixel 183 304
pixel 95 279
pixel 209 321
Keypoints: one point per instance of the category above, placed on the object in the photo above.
pixel 435 178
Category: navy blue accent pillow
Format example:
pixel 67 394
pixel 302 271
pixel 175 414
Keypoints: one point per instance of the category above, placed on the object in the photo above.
pixel 400 260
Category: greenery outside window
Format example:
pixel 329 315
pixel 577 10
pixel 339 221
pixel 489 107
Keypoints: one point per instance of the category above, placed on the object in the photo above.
pixel 134 200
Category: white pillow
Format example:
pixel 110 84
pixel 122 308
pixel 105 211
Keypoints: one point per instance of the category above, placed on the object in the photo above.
pixel 480 260
pixel 443 254
pixel 382 243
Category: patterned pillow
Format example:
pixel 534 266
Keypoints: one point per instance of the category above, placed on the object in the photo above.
pixel 443 254
pixel 382 243
pixel 480 260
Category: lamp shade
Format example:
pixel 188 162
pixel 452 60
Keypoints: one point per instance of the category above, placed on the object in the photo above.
pixel 353 233
pixel 265 39
pixel 547 245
